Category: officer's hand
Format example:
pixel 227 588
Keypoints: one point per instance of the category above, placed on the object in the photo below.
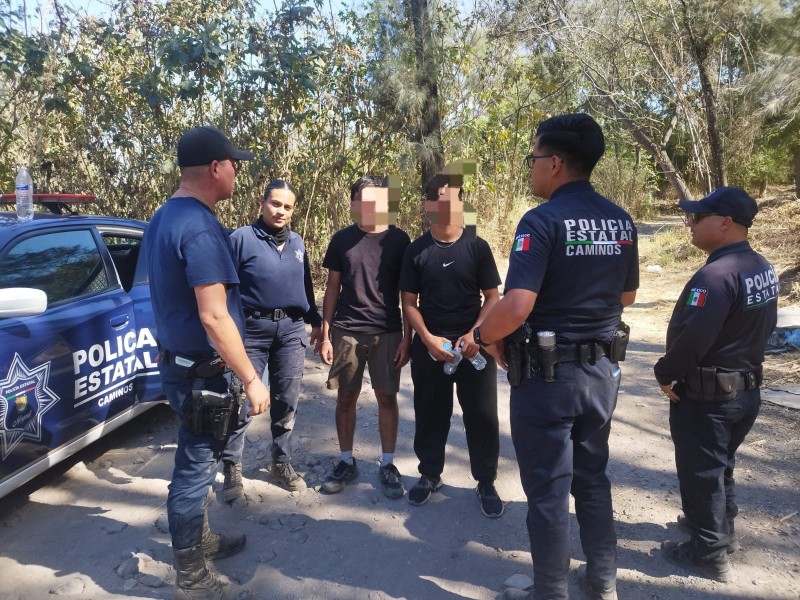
pixel 667 389
pixel 258 396
pixel 326 352
pixel 315 338
pixel 435 346
pixel 497 352
pixel 468 346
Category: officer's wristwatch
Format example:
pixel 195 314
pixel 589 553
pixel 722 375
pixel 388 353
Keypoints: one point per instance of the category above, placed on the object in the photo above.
pixel 476 337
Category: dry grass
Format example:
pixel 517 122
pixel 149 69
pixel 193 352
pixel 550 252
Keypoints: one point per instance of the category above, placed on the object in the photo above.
pixel 782 369
pixel 776 234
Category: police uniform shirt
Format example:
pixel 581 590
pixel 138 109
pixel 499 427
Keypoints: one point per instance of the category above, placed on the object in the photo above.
pixel 186 247
pixel 724 315
pixel 449 281
pixel 273 279
pixel 369 263
pixel 578 252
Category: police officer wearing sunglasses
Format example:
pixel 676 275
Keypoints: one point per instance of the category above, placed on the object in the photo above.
pixel 711 373
pixel 572 269
pixel 200 329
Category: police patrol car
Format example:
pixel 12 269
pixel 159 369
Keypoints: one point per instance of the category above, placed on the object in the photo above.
pixel 77 336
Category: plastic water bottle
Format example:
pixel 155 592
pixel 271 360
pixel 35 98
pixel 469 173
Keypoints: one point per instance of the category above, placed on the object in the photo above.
pixel 450 367
pixel 23 189
pixel 478 361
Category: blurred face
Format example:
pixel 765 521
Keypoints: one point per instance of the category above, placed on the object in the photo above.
pixel 448 209
pixel 277 209
pixel 370 209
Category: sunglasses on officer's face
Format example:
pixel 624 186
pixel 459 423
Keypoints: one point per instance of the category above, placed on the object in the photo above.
pixel 695 218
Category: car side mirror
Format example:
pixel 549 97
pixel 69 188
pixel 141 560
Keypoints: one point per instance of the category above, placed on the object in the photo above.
pixel 22 302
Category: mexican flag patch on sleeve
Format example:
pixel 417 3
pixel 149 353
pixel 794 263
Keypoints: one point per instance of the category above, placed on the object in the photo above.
pixel 522 242
pixel 697 297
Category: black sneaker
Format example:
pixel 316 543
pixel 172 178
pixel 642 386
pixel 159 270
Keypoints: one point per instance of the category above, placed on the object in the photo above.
pixel 232 487
pixel 491 505
pixel 681 554
pixel 391 484
pixel 591 591
pixel 424 489
pixel 343 473
pixel 733 541
pixel 284 475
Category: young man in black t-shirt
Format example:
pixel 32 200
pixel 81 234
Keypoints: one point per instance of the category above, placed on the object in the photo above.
pixel 445 272
pixel 362 326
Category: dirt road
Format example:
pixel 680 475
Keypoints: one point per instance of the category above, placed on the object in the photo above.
pixel 95 526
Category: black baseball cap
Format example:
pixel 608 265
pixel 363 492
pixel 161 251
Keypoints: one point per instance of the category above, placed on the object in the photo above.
pixel 727 201
pixel 204 145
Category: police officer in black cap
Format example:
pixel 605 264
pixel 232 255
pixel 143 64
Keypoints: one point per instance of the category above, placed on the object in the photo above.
pixel 711 373
pixel 199 320
pixel 572 269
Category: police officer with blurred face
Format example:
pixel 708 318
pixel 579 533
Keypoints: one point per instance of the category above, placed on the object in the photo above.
pixel 200 330
pixel 572 269
pixel 711 373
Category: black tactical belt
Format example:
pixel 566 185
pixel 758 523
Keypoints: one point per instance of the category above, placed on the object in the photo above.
pixel 193 365
pixel 276 314
pixel 168 357
pixel 583 352
pixel 710 384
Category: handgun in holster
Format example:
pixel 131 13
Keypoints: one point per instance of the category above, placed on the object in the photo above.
pixel 212 413
pixel 517 354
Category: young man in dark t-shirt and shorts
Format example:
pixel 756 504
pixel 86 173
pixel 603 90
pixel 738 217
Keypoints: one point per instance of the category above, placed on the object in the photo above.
pixel 362 326
pixel 445 273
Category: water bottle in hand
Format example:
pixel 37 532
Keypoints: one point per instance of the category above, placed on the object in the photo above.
pixel 24 192
pixel 450 367
pixel 478 361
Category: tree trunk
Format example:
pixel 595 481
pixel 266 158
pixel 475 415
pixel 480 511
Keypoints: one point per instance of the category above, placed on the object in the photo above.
pixel 699 51
pixel 429 131
pixel 655 150
pixel 796 163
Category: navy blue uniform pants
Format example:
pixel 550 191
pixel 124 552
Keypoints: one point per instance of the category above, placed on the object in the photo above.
pixel 560 432
pixel 196 460
pixel 279 347
pixel 706 436
pixel 433 408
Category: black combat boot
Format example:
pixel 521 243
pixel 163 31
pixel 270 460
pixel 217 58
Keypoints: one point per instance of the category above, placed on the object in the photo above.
pixel 193 581
pixel 218 545
pixel 232 487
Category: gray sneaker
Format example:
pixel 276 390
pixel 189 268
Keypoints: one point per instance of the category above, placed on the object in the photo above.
pixel 232 488
pixel 285 476
pixel 343 473
pixel 391 483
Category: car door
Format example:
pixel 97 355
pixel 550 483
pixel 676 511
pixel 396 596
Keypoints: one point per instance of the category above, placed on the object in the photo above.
pixel 70 368
pixel 124 246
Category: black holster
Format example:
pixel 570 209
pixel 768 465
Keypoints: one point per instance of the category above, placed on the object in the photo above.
pixel 619 343
pixel 518 357
pixel 212 413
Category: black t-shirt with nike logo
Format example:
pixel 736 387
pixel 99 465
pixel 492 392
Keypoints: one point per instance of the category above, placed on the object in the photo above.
pixel 449 281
